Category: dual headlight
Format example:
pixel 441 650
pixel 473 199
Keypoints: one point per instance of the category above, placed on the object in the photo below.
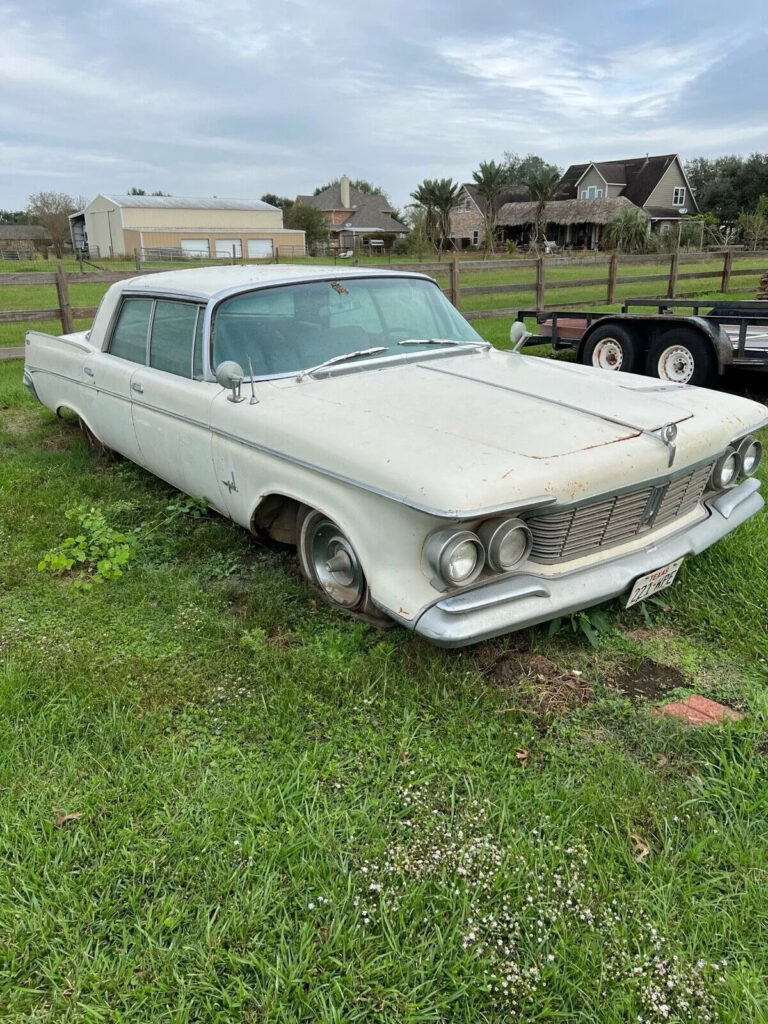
pixel 737 460
pixel 457 557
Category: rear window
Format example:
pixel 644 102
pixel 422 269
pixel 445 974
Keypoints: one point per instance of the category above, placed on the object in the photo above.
pixel 129 338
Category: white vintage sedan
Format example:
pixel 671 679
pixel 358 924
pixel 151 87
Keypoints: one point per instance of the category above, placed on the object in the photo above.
pixel 423 476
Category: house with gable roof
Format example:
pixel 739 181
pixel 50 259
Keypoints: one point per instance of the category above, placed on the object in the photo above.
pixel 356 219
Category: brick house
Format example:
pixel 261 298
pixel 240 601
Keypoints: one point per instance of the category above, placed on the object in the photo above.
pixel 468 218
pixel 356 219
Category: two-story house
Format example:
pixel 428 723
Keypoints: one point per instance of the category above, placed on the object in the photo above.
pixel 592 194
pixel 356 219
pixel 468 216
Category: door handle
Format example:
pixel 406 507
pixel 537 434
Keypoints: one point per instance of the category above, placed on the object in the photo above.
pixel 88 370
pixel 135 386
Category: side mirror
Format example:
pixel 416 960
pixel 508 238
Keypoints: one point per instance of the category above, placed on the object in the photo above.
pixel 518 335
pixel 230 376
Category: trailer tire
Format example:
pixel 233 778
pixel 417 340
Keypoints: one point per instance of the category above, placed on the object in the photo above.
pixel 611 347
pixel 683 356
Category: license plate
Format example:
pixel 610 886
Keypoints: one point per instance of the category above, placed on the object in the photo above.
pixel 655 581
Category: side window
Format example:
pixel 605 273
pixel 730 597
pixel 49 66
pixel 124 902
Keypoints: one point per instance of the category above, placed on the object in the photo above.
pixel 129 338
pixel 173 333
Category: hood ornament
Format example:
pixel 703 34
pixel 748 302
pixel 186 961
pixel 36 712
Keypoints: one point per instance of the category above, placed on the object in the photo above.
pixel 668 434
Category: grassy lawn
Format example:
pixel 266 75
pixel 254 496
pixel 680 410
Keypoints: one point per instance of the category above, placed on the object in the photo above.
pixel 281 815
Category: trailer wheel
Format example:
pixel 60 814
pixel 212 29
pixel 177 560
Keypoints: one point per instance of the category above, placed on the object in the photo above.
pixel 611 347
pixel 682 356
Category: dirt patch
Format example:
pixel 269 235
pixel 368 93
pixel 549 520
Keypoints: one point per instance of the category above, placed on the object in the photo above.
pixel 644 634
pixel 18 421
pixel 648 680
pixel 538 685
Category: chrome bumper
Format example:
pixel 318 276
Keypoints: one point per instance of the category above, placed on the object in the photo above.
pixel 524 599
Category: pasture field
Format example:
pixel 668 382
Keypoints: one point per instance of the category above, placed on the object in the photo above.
pixel 222 802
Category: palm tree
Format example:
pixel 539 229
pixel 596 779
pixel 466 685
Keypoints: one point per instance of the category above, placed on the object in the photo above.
pixel 446 196
pixel 628 230
pixel 543 186
pixel 491 180
pixel 426 197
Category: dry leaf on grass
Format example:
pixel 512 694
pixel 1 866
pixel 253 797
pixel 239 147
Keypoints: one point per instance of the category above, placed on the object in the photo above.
pixel 523 756
pixel 62 818
pixel 639 848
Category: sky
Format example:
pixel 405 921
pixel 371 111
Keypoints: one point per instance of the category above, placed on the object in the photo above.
pixel 235 98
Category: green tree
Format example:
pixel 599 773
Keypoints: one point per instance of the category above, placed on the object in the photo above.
pixel 438 197
pixel 544 185
pixel 14 217
pixel 628 230
pixel 52 210
pixel 360 184
pixel 520 169
pixel 134 191
pixel 491 180
pixel 310 221
pixel 282 202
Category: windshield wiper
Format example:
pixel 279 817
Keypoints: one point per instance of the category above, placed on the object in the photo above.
pixel 439 341
pixel 340 359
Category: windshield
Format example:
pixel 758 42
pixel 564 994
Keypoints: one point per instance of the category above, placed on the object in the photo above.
pixel 286 329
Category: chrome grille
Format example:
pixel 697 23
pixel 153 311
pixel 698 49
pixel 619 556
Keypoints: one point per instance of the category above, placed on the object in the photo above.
pixel 575 532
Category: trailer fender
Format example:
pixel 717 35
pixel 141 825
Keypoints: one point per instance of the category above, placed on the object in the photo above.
pixel 715 334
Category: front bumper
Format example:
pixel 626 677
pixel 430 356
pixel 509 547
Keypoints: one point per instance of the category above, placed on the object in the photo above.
pixel 525 599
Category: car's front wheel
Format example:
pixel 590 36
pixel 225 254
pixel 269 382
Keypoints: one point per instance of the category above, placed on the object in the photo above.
pixel 329 561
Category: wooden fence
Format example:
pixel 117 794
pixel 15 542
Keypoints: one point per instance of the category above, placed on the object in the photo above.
pixel 456 269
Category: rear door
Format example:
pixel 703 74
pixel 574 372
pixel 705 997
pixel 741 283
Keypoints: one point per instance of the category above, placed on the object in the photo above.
pixel 171 402
pixel 109 373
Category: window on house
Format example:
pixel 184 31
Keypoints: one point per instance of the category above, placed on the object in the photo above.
pixel 593 192
pixel 467 204
pixel 475 238
pixel 678 196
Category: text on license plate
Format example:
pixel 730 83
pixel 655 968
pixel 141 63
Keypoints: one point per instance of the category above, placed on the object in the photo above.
pixel 655 581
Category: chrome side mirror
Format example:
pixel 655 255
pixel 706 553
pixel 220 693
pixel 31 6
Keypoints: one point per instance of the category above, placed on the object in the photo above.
pixel 230 375
pixel 518 335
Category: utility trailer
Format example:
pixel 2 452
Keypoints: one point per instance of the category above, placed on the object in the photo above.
pixel 687 349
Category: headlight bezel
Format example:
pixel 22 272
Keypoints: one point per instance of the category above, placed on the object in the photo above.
pixel 494 532
pixel 746 443
pixel 439 548
pixel 716 478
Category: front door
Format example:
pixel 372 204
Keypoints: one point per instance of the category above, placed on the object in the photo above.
pixel 171 403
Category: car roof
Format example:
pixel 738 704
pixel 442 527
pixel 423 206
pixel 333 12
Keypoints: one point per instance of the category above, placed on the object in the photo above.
pixel 208 282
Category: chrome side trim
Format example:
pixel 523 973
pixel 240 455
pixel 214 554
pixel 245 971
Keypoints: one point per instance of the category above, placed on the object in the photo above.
pixel 461 514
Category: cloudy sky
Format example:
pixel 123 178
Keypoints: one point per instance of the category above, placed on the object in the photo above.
pixel 240 97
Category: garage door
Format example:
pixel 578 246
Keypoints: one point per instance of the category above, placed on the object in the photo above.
pixel 259 248
pixel 224 247
pixel 195 247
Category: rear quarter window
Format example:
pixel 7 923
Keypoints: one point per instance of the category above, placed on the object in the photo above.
pixel 129 337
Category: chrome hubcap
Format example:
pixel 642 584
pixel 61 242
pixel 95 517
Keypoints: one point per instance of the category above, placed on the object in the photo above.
pixel 608 354
pixel 676 363
pixel 335 564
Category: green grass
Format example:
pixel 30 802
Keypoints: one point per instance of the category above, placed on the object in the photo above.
pixel 286 816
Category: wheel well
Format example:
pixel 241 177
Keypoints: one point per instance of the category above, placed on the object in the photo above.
pixel 275 515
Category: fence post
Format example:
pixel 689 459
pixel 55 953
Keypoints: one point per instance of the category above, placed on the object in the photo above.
pixel 725 280
pixel 612 272
pixel 62 291
pixel 540 282
pixel 137 259
pixel 455 291
pixel 673 275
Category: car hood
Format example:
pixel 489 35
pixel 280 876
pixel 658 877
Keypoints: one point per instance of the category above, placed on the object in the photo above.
pixel 480 429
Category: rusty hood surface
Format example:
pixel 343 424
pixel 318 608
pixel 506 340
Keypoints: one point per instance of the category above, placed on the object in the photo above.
pixel 478 429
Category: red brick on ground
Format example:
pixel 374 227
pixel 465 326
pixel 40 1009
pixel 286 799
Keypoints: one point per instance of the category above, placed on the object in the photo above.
pixel 697 710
